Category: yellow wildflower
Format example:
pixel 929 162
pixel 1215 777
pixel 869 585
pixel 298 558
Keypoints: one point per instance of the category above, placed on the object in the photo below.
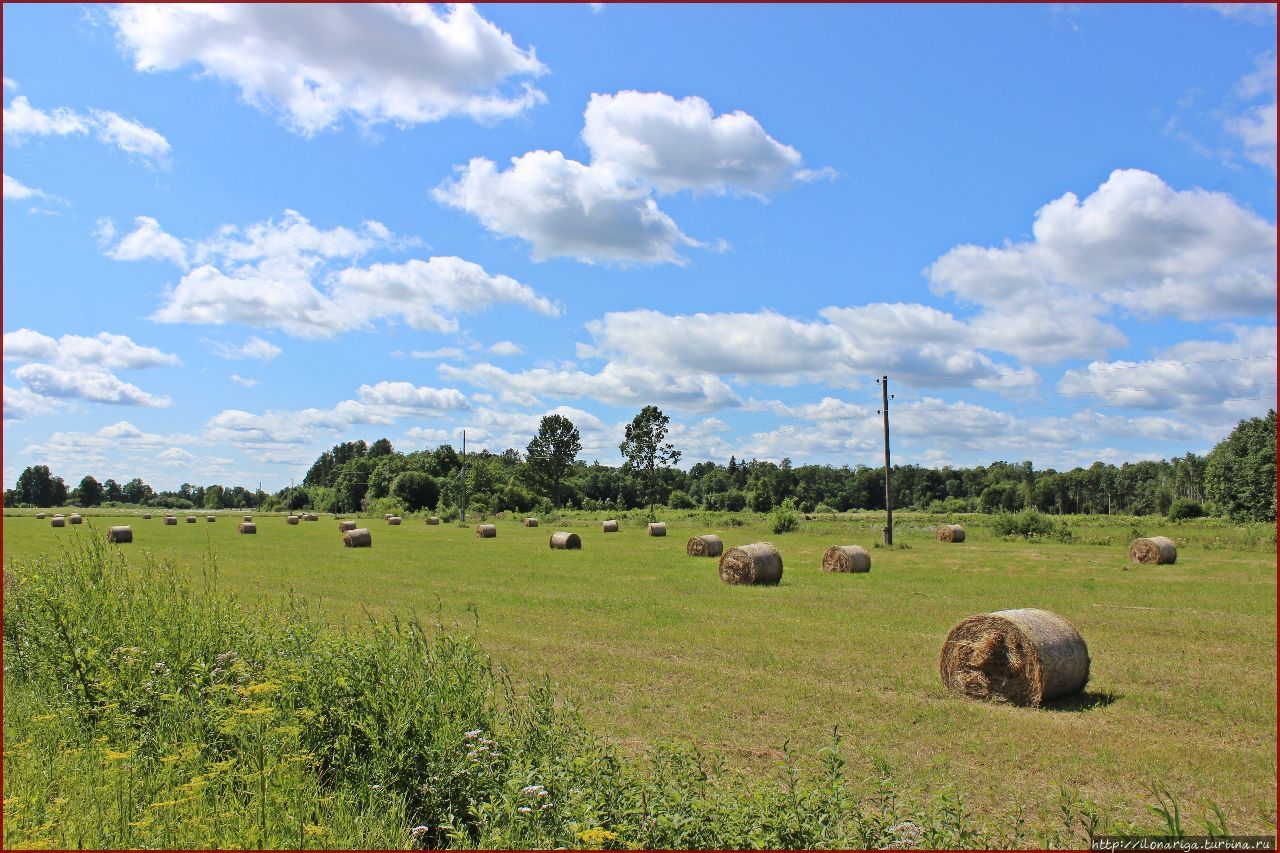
pixel 597 837
pixel 112 755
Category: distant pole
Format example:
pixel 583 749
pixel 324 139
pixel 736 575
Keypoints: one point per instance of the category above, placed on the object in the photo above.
pixel 464 476
pixel 888 491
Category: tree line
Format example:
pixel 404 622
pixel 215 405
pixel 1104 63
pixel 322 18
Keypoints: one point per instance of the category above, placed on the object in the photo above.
pixel 1236 479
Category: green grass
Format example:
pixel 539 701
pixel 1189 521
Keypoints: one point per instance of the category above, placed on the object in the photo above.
pixel 651 647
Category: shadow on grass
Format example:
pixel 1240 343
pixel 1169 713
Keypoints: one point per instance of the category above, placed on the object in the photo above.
pixel 1085 700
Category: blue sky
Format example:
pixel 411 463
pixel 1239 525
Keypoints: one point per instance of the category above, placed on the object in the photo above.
pixel 234 236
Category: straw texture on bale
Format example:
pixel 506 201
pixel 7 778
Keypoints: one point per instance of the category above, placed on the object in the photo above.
pixel 191 519
pixel 486 531
pixel 394 521
pixel 657 528
pixel 75 518
pixel 40 515
pixel 246 527
pixel 57 521
pixel 1018 656
pixel 707 545
pixel 432 520
pixel 170 519
pixel 531 522
pixel 1153 549
pixel 344 526
pixel 119 535
pixel 563 540
pixel 292 519
pixel 846 558
pixel 610 526
pixel 950 533
pixel 311 516
pixel 758 563
pixel 358 538
pixel 210 518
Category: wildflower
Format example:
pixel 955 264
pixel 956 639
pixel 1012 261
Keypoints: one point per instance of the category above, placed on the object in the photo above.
pixel 375 787
pixel 473 734
pixel 314 829
pixel 253 712
pixel 531 790
pixel 524 810
pixel 112 755
pixel 597 837
pixel 419 831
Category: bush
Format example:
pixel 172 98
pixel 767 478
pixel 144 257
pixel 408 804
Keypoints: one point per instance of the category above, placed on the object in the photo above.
pixel 1185 508
pixel 1028 524
pixel 784 519
pixel 680 500
pixel 382 506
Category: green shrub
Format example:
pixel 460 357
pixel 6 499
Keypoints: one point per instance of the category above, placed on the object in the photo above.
pixel 382 506
pixel 1029 523
pixel 784 519
pixel 680 500
pixel 1185 508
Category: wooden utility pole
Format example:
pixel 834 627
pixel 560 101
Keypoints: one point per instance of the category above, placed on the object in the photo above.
pixel 464 476
pixel 888 490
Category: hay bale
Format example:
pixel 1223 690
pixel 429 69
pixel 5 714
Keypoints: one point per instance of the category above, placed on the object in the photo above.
pixel 57 521
pixel 562 540
pixel 609 526
pixel 292 519
pixel 1018 656
pixel 40 515
pixel 75 518
pixel 247 518
pixel 358 538
pixel 210 518
pixel 432 520
pixel 344 526
pixel 311 516
pixel 170 519
pixel 146 516
pixel 394 521
pixel 191 519
pixel 758 563
pixel 531 522
pixel 246 527
pixel 486 531
pixel 1153 549
pixel 950 533
pixel 657 528
pixel 846 558
pixel 707 545
pixel 386 516
pixel 119 535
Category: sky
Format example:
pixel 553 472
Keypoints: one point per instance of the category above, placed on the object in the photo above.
pixel 235 236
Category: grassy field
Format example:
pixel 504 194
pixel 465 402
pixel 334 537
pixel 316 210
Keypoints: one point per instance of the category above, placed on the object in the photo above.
pixel 651 647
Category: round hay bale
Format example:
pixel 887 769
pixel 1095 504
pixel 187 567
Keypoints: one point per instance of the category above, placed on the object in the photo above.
pixel 758 563
pixel 57 521
pixel 394 521
pixel 358 538
pixel 486 531
pixel 950 533
pixel 170 519
pixel 311 516
pixel 432 520
pixel 246 527
pixel 119 535
pixel 531 522
pixel 386 516
pixel 292 519
pixel 846 558
pixel 191 519
pixel 1018 656
pixel 210 518
pixel 609 526
pixel 40 515
pixel 247 518
pixel 146 516
pixel 707 545
pixel 562 540
pixel 75 518
pixel 1153 549
pixel 657 528
pixel 344 526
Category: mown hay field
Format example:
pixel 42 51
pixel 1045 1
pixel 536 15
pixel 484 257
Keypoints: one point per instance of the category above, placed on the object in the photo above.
pixel 652 647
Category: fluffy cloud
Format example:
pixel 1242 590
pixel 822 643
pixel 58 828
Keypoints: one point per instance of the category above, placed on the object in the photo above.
pixel 1256 125
pixel 123 451
pixel 506 348
pixel 15 190
pixel 409 398
pixel 90 385
pixel 406 64
pixel 1135 243
pixel 673 145
pixel 148 241
pixel 104 351
pixel 23 403
pixel 22 121
pixel 254 348
pixel 241 380
pixel 566 209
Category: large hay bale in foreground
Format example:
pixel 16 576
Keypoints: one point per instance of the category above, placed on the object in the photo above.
pixel 758 563
pixel 344 526
pixel 531 522
pixel 119 535
pixel 292 519
pixel 950 533
pixel 563 540
pixel 657 528
pixel 170 519
pixel 75 518
pixel 1018 656
pixel 486 531
pixel 1153 549
pixel 846 558
pixel 57 521
pixel 394 521
pixel 609 526
pixel 432 521
pixel 707 545
pixel 358 538
pixel 246 527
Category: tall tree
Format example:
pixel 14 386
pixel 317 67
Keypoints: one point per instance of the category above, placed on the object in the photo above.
pixel 90 491
pixel 552 451
pixel 35 486
pixel 643 448
pixel 1240 472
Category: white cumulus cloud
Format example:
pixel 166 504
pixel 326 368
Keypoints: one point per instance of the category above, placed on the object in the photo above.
pixel 91 385
pixel 23 121
pixel 148 241
pixel 255 348
pixel 103 351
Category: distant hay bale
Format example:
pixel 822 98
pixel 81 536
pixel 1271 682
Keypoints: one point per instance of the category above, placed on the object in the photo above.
pixel 657 528
pixel 1153 549
pixel 432 520
pixel 292 519
pixel 119 535
pixel 707 545
pixel 846 558
pixel 146 516
pixel 531 522
pixel 758 563
pixel 563 540
pixel 75 518
pixel 311 516
pixel 358 538
pixel 210 518
pixel 246 527
pixel 191 519
pixel 344 526
pixel 1018 656
pixel 40 515
pixel 386 516
pixel 170 519
pixel 57 521
pixel 950 533
pixel 247 518
pixel 486 531
pixel 394 521
pixel 609 526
